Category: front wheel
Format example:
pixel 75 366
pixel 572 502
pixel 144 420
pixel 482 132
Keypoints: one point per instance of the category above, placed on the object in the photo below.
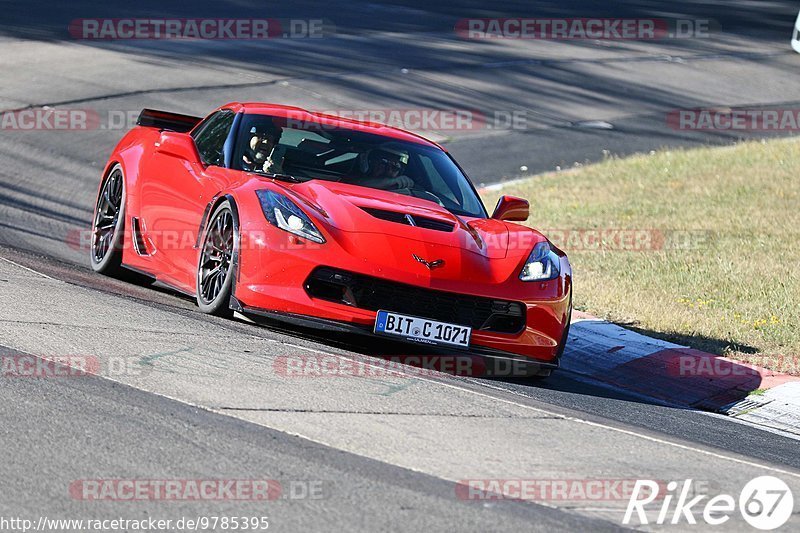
pixel 108 226
pixel 214 270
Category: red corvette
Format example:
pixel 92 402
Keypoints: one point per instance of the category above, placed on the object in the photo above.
pixel 273 211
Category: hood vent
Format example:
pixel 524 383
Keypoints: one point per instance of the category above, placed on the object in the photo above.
pixel 410 220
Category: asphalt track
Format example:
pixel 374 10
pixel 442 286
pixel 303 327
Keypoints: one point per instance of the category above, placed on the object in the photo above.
pixel 386 451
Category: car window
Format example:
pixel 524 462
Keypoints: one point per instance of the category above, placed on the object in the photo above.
pixel 308 150
pixel 210 137
pixel 299 138
pixel 435 179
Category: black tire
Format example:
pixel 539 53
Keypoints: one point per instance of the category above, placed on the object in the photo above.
pixel 215 266
pixel 108 225
pixel 563 344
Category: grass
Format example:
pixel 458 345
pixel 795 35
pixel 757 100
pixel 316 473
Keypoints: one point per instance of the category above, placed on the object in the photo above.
pixel 722 273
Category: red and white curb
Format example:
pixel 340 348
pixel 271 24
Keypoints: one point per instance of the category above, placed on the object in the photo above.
pixel 681 376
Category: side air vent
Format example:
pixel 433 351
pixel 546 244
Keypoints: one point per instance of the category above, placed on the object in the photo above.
pixel 138 241
pixel 410 220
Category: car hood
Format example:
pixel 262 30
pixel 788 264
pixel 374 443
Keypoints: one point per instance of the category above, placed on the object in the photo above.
pixel 439 234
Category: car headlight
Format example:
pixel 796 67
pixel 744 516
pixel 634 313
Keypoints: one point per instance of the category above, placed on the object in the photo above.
pixel 284 213
pixel 542 264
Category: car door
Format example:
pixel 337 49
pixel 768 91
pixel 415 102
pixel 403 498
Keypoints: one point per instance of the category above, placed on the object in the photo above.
pixel 175 195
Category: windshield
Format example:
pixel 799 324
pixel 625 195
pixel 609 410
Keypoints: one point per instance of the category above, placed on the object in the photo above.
pixel 309 150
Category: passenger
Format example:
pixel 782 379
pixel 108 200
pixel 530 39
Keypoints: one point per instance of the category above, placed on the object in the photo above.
pixel 384 171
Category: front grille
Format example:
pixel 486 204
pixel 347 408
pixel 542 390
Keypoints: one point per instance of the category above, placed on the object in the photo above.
pixel 366 292
pixel 410 220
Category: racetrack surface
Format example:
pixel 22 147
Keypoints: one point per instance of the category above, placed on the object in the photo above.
pixel 387 450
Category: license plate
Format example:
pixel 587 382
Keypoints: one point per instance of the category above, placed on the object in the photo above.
pixel 422 330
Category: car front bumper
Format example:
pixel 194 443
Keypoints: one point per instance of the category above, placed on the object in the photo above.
pixel 494 363
pixel 272 278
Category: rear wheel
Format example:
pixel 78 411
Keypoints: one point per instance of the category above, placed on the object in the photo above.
pixel 108 227
pixel 214 276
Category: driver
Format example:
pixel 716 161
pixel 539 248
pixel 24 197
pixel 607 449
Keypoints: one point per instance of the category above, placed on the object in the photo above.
pixel 384 170
pixel 263 153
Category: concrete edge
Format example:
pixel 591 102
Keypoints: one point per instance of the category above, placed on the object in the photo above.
pixel 677 375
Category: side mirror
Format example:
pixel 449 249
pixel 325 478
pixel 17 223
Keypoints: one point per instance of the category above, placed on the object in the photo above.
pixel 180 145
pixel 512 208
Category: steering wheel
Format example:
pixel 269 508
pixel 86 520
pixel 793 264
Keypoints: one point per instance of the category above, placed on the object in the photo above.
pixel 424 195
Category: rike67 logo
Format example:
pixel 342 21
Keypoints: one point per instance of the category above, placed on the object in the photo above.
pixel 765 503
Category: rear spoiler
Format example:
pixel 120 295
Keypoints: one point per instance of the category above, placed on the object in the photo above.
pixel 164 120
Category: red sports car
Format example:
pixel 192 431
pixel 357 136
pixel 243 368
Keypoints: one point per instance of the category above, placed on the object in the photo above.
pixel 277 212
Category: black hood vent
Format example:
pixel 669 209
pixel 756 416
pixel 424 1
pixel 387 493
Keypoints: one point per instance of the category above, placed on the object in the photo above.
pixel 410 220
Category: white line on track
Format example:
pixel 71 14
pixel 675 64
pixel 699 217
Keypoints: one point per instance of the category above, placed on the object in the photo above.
pixel 26 268
pixel 624 431
pixel 453 386
pixel 565 417
pixel 484 395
